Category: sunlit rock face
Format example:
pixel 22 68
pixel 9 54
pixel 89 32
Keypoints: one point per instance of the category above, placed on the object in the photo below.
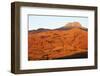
pixel 56 44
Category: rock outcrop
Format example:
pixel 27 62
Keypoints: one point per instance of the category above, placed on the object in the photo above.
pixel 57 44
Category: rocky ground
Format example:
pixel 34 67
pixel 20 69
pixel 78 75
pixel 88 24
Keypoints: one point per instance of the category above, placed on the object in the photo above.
pixel 58 44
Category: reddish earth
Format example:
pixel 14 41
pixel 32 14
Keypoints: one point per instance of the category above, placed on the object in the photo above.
pixel 53 44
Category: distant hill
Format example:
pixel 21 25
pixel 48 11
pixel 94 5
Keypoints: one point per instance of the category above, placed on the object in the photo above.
pixel 39 30
pixel 73 25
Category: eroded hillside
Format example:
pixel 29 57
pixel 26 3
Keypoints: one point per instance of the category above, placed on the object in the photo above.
pixel 54 44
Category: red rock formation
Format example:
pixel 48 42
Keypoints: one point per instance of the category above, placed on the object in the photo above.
pixel 57 44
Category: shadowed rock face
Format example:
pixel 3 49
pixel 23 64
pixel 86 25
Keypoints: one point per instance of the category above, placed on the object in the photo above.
pixel 58 44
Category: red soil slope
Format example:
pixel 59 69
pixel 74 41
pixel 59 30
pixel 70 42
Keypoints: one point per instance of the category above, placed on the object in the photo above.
pixel 57 43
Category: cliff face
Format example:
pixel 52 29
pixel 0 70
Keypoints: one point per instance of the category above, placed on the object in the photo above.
pixel 57 44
